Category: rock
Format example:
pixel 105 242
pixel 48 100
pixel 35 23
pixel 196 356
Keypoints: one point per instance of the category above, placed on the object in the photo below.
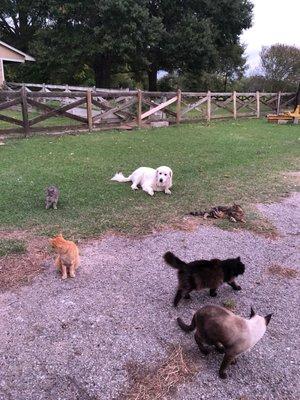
pixel 159 124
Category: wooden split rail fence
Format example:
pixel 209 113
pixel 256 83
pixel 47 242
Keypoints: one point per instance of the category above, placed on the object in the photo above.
pixel 27 111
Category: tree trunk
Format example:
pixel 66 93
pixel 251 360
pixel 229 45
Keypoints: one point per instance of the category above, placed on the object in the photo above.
pixel 22 35
pixel 102 69
pixel 225 82
pixel 152 79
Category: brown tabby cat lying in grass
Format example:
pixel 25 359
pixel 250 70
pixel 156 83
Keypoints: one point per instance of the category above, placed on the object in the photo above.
pixel 201 274
pixel 234 213
pixel 68 256
pixel 229 333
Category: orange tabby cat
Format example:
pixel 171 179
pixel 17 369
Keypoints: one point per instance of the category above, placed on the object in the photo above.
pixel 68 257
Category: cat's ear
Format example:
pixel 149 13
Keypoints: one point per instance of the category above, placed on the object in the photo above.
pixel 268 318
pixel 252 313
pixel 60 235
pixel 238 258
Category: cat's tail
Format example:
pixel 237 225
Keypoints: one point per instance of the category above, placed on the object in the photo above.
pixel 174 261
pixel 185 327
pixel 197 213
pixel 119 177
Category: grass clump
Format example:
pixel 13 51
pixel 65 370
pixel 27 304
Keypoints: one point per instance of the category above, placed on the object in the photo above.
pixel 12 246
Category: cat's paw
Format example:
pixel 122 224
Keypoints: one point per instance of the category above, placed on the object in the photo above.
pixel 64 277
pixel 238 287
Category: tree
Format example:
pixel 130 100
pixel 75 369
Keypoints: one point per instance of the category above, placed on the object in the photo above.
pixel 281 65
pixel 21 19
pixel 232 64
pixel 69 38
pixel 105 35
pixel 194 34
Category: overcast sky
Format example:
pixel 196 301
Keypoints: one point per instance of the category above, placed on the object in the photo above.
pixel 275 21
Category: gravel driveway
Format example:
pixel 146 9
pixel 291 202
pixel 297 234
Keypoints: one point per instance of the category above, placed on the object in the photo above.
pixel 76 339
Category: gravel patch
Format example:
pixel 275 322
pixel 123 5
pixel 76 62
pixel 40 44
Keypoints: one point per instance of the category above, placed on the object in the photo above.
pixel 76 339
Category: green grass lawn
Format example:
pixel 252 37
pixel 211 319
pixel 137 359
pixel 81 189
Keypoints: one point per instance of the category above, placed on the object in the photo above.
pixel 221 163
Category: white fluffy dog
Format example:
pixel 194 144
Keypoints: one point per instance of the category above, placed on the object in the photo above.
pixel 151 180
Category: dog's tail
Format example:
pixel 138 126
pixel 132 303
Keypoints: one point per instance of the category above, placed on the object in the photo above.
pixel 185 327
pixel 119 177
pixel 174 261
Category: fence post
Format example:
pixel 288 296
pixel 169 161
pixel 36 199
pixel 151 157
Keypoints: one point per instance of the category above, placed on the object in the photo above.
pixel 139 108
pixel 208 110
pixel 278 103
pixel 24 106
pixel 89 113
pixel 234 104
pixel 178 107
pixel 257 104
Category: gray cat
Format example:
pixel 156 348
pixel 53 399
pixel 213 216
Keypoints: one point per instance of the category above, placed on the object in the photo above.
pixel 52 195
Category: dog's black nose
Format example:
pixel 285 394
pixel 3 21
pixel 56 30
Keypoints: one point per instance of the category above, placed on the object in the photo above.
pixel 160 180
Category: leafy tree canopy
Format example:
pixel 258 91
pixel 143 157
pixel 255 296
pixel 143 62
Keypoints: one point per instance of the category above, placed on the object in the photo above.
pixel 70 38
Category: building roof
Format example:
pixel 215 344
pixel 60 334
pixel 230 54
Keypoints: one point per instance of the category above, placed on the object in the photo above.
pixel 9 53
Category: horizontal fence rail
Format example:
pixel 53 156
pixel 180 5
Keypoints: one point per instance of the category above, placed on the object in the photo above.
pixel 29 108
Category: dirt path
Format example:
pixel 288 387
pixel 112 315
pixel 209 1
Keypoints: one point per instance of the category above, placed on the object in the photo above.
pixel 83 338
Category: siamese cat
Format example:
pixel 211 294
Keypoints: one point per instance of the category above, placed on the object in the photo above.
pixel 201 274
pixel 229 333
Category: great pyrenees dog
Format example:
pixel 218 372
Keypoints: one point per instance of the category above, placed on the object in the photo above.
pixel 151 180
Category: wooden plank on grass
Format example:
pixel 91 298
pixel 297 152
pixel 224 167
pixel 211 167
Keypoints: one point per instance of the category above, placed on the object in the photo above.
pixel 152 103
pixel 52 95
pixel 89 113
pixel 159 107
pixel 9 103
pixel 104 104
pixel 58 111
pixel 24 106
pixel 139 108
pixel 257 97
pixel 11 120
pixel 178 106
pixel 193 106
pixel 208 108
pixel 234 104
pixel 114 110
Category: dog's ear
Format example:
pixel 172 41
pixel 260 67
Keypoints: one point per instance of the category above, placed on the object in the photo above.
pixel 171 173
pixel 252 313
